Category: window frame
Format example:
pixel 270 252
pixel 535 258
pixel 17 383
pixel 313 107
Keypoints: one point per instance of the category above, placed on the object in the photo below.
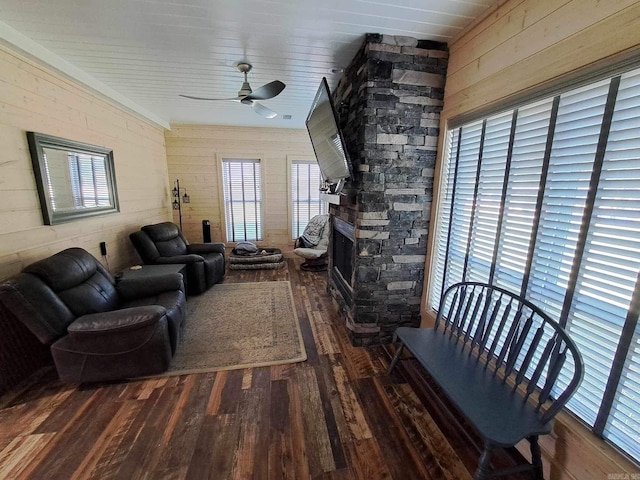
pixel 47 190
pixel 555 88
pixel 291 159
pixel 248 157
pixel 606 67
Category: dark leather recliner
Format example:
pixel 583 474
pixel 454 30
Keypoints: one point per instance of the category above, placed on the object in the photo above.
pixel 164 243
pixel 97 330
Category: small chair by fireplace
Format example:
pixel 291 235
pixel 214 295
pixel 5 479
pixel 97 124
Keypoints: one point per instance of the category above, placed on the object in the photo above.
pixel 315 255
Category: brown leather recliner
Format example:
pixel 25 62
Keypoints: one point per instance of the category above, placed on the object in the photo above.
pixel 164 243
pixel 97 330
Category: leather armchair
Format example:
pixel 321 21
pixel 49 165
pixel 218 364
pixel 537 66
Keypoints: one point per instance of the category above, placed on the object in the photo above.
pixel 164 243
pixel 97 330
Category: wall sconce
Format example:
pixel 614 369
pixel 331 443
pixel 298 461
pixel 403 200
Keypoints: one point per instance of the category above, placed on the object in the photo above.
pixel 179 200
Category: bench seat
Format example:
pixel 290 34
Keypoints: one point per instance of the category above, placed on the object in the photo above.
pixel 496 411
pixel 504 364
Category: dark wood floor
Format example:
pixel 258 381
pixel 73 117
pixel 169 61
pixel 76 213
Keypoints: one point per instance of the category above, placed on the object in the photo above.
pixel 335 416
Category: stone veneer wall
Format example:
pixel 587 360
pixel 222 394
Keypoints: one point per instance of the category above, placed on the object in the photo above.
pixel 389 102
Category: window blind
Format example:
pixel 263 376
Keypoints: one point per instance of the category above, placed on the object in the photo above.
pixel 444 224
pixel 520 201
pixel 466 172
pixel 577 129
pixel 50 191
pixel 610 274
pixel 242 189
pixel 306 180
pixel 544 200
pixel 488 197
pixel 622 424
pixel 88 181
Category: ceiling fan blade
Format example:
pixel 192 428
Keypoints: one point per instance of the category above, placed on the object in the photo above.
pixel 212 99
pixel 267 91
pixel 260 109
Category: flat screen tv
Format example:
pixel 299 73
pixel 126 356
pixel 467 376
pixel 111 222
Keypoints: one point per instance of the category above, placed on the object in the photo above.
pixel 327 139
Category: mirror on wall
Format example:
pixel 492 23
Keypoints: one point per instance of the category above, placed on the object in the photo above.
pixel 74 180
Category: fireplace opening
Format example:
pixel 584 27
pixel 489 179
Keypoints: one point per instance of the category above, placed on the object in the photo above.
pixel 342 257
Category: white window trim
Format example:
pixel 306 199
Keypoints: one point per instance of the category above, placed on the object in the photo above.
pixel 221 157
pixel 290 160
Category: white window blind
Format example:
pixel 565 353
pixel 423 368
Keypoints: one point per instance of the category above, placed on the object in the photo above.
pixel 306 180
pixel 88 181
pixel 610 272
pixel 50 190
pixel 549 207
pixel 444 223
pixel 576 134
pixel 577 129
pixel 523 183
pixel 465 174
pixel 623 424
pixel 242 187
pixel 489 196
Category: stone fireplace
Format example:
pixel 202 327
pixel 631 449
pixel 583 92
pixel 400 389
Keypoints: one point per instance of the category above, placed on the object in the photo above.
pixel 389 102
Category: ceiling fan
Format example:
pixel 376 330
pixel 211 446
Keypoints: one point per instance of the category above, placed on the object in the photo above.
pixel 248 96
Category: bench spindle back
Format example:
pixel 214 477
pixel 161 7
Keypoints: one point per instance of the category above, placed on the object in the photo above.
pixel 515 340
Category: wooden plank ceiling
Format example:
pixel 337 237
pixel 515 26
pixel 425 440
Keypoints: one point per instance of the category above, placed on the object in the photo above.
pixel 149 51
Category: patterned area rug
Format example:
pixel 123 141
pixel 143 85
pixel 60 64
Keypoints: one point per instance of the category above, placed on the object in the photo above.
pixel 239 325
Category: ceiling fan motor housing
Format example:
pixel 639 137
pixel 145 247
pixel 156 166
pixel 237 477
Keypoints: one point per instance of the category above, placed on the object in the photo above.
pixel 245 68
pixel 245 90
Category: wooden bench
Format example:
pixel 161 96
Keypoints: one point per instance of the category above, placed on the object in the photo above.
pixel 505 365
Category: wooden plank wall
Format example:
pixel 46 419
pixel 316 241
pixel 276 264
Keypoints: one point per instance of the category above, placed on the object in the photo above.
pixel 520 46
pixel 35 98
pixel 525 43
pixel 194 154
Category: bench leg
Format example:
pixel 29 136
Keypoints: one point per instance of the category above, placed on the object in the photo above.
pixel 484 469
pixel 396 357
pixel 536 458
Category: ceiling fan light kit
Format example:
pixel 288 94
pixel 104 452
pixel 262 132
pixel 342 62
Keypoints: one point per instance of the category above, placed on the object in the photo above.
pixel 247 96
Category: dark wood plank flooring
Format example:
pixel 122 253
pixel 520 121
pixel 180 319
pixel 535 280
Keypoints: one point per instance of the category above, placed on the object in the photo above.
pixel 335 416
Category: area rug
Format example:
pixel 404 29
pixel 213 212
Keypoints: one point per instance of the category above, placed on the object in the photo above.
pixel 239 325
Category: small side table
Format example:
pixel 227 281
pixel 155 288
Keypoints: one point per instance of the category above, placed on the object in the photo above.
pixel 150 271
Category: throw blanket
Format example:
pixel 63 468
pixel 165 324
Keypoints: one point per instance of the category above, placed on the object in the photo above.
pixel 313 231
pixel 245 248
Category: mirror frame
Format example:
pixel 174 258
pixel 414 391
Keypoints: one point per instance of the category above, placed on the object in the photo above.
pixel 37 143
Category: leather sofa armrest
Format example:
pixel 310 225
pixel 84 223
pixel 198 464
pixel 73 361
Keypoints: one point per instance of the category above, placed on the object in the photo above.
pixel 115 321
pixel 203 248
pixel 192 258
pixel 111 334
pixel 132 288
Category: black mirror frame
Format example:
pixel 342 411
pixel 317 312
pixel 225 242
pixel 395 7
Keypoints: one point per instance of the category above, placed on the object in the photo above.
pixel 37 143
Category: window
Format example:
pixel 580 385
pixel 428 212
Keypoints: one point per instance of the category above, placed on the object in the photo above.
pixel 242 199
pixel 306 180
pixel 544 200
pixel 75 180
